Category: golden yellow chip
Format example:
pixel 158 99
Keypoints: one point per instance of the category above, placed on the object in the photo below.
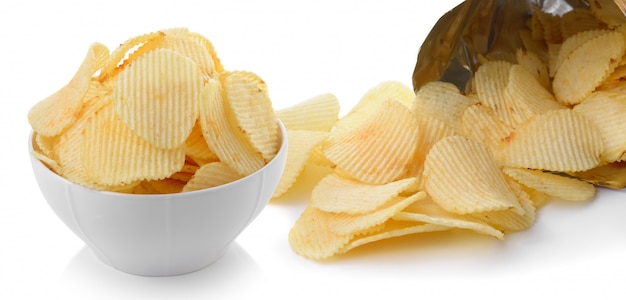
pixel 248 102
pixel 391 229
pixel 533 63
pixel 196 147
pixel 311 236
pixel 342 195
pixel 114 155
pixel 612 175
pixel 490 82
pixel 157 98
pixel 380 149
pixel 346 224
pixel 571 44
pixel 209 48
pixel 556 185
pixel 211 175
pixel 616 82
pixel 526 96
pixel 427 211
pixel 186 44
pixel 550 25
pixel 587 66
pixel 52 115
pixel 441 100
pixel 319 113
pixel 371 101
pixel 557 140
pixel 301 143
pixel 227 142
pixel 508 220
pixel 127 52
pixel 607 112
pixel 608 12
pixel 579 20
pixel 481 124
pixel 165 186
pixel 478 185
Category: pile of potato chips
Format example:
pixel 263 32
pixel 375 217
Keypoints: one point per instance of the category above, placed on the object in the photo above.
pixel 547 123
pixel 159 114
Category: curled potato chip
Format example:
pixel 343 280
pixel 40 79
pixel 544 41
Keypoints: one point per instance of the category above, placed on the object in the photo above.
pixel 587 66
pixel 479 185
pixel 127 52
pixel 183 42
pixel 490 82
pixel 556 185
pixel 157 98
pixel 247 102
pixel 571 44
pixel 441 100
pixel 608 12
pixel 342 195
pixel 311 236
pixel 481 123
pixel 532 62
pixel 607 112
pixel 579 20
pixel 114 155
pixel 196 147
pixel 509 220
pixel 557 140
pixel 52 115
pixel 211 175
pixel 380 149
pixel 319 113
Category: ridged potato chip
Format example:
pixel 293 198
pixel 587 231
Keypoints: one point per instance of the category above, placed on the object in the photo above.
pixel 301 143
pixel 441 100
pixel 211 175
pixel 342 195
pixel 52 115
pixel 570 44
pixel 157 98
pixel 197 148
pixel 248 103
pixel 319 113
pixel 127 52
pixel 490 82
pixel 607 11
pixel 557 140
pixel 479 185
pixel 556 185
pixel 509 220
pixel 587 66
pixel 427 211
pixel 579 20
pixel 481 124
pixel 184 43
pixel 380 149
pixel 533 63
pixel 114 155
pixel 612 175
pixel 607 112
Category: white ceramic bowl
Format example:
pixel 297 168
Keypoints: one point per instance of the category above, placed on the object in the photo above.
pixel 161 235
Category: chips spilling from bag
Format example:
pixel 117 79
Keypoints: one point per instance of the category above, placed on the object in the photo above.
pixel 159 114
pixel 542 125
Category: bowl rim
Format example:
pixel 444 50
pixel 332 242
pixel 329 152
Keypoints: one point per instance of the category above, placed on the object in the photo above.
pixel 281 151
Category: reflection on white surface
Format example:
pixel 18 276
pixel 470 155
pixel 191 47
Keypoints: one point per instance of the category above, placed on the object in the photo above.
pixel 225 277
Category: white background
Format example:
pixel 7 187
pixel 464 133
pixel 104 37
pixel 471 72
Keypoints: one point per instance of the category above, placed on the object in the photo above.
pixel 301 49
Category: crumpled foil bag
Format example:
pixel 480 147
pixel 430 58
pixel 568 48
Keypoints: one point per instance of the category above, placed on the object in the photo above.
pixel 480 27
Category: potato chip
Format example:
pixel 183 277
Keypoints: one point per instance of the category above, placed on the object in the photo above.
pixel 478 185
pixel 166 185
pixel 180 40
pixel 571 44
pixel 301 143
pixel 481 124
pixel 211 175
pixel 161 89
pixel 490 81
pixel 391 229
pixel 579 20
pixel 615 82
pixel 557 140
pixel 587 66
pixel 127 52
pixel 508 220
pixel 380 149
pixel 533 63
pixel 209 48
pixel 550 25
pixel 247 101
pixel 196 147
pixel 612 175
pixel 427 211
pixel 608 12
pixel 441 100
pixel 553 184
pixel 342 195
pixel 52 115
pixel 526 96
pixel 227 142
pixel 319 113
pixel 607 112
pixel 346 224
pixel 114 155
pixel 370 102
